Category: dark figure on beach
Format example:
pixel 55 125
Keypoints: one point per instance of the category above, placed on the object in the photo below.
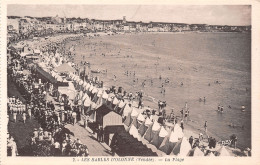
pixel 182 125
pixel 181 83
pixel 204 99
pixel 191 141
pixel 222 109
pixel 160 77
pixel 206 126
pixel 218 107
pixel 181 112
pixel 200 99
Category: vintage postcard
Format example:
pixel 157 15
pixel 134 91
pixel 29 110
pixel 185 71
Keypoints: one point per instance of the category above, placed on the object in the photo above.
pixel 129 82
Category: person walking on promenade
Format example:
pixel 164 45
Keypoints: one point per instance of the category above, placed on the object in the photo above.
pixel 74 117
pixel 98 133
pixel 29 113
pixel 101 134
pixel 24 117
pixel 205 126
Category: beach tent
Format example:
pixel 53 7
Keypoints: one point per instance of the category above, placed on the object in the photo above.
pixel 85 96
pixel 99 102
pixel 165 145
pixel 155 133
pixel 94 90
pixel 140 119
pixel 127 114
pixel 90 88
pixel 134 115
pixel 195 152
pixel 158 137
pixel 105 95
pixel 134 132
pixel 148 135
pixel 173 138
pixel 115 101
pixel 222 151
pixel 99 93
pixel 210 154
pixel 87 87
pixel 120 106
pixel 126 110
pixel 177 134
pixel 142 129
pixel 181 148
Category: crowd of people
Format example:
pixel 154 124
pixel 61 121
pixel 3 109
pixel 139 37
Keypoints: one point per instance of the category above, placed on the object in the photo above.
pixel 34 103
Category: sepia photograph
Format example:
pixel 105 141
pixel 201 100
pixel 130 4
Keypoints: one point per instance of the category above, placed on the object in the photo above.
pixel 110 80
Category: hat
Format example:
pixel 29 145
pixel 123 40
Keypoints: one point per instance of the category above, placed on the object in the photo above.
pixel 35 129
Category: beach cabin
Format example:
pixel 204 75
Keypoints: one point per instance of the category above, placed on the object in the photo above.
pixel 109 120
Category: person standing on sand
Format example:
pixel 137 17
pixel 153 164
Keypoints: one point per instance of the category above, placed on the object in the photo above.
pixel 182 125
pixel 205 126
pixel 191 140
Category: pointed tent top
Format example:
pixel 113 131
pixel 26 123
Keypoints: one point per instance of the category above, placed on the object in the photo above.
pixel 156 126
pixel 182 147
pixel 148 122
pixel 115 101
pixel 140 117
pixel 94 90
pixel 223 152
pixel 173 137
pixel 91 87
pixel 177 133
pixel 105 95
pixel 134 113
pixel 134 132
pixel 93 105
pixel 163 132
pixel 127 110
pixel 100 92
pixel 87 102
pixel 211 154
pixel 196 152
pixel 85 95
pixel 121 104
pixel 87 86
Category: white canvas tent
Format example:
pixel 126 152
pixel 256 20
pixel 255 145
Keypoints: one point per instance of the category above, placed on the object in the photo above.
pixel 181 148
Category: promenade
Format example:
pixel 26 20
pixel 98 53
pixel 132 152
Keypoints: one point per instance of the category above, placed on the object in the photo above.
pixel 94 147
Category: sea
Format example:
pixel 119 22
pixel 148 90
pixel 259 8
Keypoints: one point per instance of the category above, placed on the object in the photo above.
pixel 189 65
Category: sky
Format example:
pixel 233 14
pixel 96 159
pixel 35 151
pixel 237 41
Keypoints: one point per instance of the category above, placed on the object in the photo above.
pixel 192 14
